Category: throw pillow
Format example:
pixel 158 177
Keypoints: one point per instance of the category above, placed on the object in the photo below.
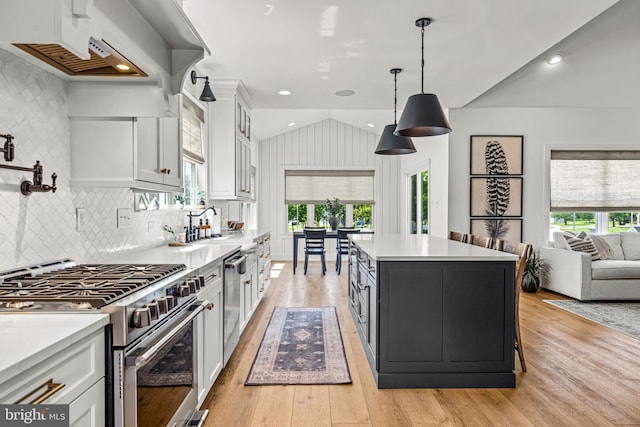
pixel 631 245
pixel 602 246
pixel 583 245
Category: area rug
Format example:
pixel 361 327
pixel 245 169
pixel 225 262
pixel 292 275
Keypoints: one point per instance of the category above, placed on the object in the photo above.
pixel 301 345
pixel 621 316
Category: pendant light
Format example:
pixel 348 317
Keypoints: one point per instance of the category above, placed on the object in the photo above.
pixel 389 142
pixel 423 114
pixel 207 95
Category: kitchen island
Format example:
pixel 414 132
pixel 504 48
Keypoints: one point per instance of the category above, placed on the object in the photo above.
pixel 433 313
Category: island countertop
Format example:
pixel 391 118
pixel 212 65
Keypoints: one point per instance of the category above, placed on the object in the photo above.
pixel 414 247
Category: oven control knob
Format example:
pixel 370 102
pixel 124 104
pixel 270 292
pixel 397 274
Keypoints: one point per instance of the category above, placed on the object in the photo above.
pixel 193 285
pixel 171 301
pixel 163 305
pixel 184 290
pixel 154 309
pixel 201 280
pixel 141 317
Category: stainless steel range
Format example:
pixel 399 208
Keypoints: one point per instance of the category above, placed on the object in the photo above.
pixel 153 310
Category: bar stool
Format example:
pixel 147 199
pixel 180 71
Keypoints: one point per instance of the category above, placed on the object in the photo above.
pixel 485 242
pixel 458 237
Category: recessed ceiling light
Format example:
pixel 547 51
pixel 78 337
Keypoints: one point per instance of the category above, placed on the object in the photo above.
pixel 370 125
pixel 292 124
pixel 554 59
pixel 345 92
pixel 284 92
pixel 123 67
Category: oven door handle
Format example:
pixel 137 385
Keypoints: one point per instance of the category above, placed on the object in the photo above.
pixel 143 358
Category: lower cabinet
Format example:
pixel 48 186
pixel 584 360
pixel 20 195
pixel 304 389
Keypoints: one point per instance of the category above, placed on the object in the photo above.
pixel 247 298
pixel 211 339
pixel 77 376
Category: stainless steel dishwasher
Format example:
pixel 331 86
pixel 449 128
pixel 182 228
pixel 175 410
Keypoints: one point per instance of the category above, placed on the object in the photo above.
pixel 234 268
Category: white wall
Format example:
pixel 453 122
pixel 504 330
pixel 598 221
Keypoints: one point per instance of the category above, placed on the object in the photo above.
pixel 432 155
pixel 543 129
pixel 41 227
pixel 324 145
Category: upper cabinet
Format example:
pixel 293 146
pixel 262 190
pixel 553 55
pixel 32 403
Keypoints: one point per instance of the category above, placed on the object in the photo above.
pixel 142 153
pixel 230 174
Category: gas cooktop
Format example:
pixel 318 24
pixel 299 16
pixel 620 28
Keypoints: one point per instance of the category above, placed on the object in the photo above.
pixel 80 286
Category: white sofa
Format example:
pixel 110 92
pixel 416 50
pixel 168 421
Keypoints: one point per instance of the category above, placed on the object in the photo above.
pixel 575 274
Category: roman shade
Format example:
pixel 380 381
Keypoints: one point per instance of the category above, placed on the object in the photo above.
pixel 192 120
pixel 595 181
pixel 316 186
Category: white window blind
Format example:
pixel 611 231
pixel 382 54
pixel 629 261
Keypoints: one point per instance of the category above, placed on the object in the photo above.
pixel 316 186
pixel 192 122
pixel 595 181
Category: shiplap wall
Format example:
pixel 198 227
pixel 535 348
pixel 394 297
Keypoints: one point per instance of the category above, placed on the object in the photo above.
pixel 328 144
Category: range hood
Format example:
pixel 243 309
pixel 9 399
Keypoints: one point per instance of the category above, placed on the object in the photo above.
pixel 104 60
pixel 85 40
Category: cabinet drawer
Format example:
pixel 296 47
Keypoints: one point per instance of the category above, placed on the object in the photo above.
pixel 78 367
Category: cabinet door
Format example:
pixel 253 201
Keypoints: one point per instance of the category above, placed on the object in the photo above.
pixel 171 160
pixel 148 150
pixel 88 410
pixel 212 340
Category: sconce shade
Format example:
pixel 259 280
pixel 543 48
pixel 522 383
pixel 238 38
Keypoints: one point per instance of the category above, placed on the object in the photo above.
pixel 394 144
pixel 207 94
pixel 422 116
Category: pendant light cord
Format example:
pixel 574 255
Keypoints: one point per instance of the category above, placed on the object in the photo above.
pixel 395 98
pixel 422 64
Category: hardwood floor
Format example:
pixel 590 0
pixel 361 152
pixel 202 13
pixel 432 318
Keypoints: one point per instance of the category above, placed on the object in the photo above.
pixel 579 374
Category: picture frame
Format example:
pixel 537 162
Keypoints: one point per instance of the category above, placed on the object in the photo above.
pixel 500 187
pixel 508 228
pixel 496 155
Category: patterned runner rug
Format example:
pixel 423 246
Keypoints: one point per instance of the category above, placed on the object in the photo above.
pixel 621 316
pixel 302 345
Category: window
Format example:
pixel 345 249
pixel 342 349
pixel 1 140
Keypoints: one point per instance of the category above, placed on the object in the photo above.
pixel 594 191
pixel 306 192
pixel 419 203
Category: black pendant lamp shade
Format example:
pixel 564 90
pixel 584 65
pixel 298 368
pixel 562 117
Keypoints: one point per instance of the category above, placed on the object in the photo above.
pixel 423 115
pixel 207 94
pixel 389 142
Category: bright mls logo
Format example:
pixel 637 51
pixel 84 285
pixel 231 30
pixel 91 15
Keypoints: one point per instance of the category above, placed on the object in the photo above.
pixel 34 415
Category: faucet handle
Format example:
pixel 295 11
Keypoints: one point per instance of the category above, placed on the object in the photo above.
pixel 54 176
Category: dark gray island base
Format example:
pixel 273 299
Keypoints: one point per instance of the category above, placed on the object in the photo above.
pixel 434 323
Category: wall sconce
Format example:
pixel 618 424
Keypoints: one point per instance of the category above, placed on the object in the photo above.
pixel 207 94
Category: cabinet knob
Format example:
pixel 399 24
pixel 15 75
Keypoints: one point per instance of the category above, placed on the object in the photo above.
pixel 165 170
pixel 210 306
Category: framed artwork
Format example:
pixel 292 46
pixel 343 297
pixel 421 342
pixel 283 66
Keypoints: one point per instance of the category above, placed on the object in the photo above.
pixel 496 196
pixel 498 228
pixel 496 154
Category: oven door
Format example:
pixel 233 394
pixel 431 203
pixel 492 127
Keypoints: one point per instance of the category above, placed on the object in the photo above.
pixel 158 374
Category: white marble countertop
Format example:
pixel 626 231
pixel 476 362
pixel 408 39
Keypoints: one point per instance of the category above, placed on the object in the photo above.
pixel 241 236
pixel 193 255
pixel 399 247
pixel 29 338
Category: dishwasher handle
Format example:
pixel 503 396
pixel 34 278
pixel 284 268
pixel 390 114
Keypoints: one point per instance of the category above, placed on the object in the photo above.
pixel 238 263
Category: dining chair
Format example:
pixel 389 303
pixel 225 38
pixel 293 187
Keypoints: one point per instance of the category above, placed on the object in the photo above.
pixel 523 250
pixel 485 242
pixel 459 237
pixel 342 244
pixel 314 245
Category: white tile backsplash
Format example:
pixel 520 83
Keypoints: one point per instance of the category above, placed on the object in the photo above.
pixel 40 227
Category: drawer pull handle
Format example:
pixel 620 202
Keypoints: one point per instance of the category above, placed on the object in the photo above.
pixel 52 388
pixel 353 303
pixel 362 318
pixel 362 287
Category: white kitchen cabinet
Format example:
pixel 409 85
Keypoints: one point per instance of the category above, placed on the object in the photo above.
pixel 126 152
pixel 230 143
pixel 248 295
pixel 212 338
pixel 264 264
pixel 73 376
